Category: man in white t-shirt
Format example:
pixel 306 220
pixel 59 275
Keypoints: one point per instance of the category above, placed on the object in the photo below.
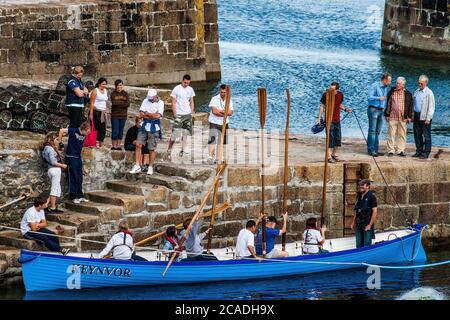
pixel 217 106
pixel 182 108
pixel 245 243
pixel 313 238
pixel 34 226
pixel 151 111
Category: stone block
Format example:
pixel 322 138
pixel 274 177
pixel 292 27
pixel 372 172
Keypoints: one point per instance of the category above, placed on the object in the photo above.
pixel 244 176
pixel 227 229
pixel 177 46
pixel 174 201
pixel 187 31
pixel 138 220
pixel 210 12
pixel 420 193
pixel 87 245
pixel 212 51
pixel 434 213
pixel 441 192
pixel 164 219
pixel 171 33
pixel 211 33
pixel 237 213
pixel 156 207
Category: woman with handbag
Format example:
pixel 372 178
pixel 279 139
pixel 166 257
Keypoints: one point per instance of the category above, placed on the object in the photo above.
pixel 53 159
pixel 99 97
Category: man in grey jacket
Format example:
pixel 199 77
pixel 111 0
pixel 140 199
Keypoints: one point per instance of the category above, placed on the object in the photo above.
pixel 424 106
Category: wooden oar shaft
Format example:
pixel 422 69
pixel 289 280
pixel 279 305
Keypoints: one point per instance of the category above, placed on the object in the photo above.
pixel 22 197
pixel 221 208
pixel 286 163
pixel 219 160
pixel 262 109
pixel 330 101
pixel 197 214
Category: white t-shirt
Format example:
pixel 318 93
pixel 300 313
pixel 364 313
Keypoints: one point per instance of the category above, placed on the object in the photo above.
pixel 217 102
pixel 244 239
pixel 311 236
pixel 31 216
pixel 152 107
pixel 121 251
pixel 100 100
pixel 183 96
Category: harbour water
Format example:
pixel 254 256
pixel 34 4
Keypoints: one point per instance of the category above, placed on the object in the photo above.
pixel 304 46
pixel 429 283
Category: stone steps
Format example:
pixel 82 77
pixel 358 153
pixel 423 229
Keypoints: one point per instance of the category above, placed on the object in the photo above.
pixel 81 221
pixel 69 231
pixel 16 240
pixel 130 202
pixel 106 212
pixel 173 183
pixel 156 207
pixel 3 266
pixel 151 192
pixel 190 172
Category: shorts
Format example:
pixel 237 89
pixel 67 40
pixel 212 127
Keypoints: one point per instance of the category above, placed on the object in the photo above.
pixel 215 134
pixel 275 253
pixel 182 123
pixel 335 135
pixel 54 175
pixel 150 140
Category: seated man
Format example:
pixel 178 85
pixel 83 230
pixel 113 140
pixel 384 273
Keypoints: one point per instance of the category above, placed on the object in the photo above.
pixel 313 239
pixel 271 234
pixel 245 243
pixel 193 243
pixel 121 245
pixel 131 140
pixel 33 226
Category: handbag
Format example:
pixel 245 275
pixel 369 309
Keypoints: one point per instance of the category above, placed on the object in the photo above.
pixel 91 138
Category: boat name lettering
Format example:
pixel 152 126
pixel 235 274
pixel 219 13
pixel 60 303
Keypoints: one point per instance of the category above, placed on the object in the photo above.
pixel 107 271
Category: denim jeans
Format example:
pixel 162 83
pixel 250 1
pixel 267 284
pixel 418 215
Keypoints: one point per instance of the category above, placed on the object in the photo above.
pixel 50 242
pixel 422 135
pixel 335 135
pixel 363 238
pixel 117 128
pixel 375 125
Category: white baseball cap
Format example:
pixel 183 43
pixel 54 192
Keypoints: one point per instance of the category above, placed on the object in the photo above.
pixel 151 93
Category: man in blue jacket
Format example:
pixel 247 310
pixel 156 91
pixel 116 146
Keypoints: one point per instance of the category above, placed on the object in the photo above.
pixel 377 103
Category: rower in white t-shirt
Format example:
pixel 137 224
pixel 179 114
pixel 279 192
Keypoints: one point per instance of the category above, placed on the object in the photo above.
pixel 217 106
pixel 182 109
pixel 313 238
pixel 245 243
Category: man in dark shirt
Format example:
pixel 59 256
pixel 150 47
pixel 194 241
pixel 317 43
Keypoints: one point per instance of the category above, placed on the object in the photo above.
pixel 335 127
pixel 74 161
pixel 365 215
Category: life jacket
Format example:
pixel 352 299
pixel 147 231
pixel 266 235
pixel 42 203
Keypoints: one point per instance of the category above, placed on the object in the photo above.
pixel 124 241
pixel 174 244
pixel 363 211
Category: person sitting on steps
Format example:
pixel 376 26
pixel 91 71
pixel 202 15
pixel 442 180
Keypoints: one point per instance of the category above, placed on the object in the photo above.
pixel 34 226
pixel 131 142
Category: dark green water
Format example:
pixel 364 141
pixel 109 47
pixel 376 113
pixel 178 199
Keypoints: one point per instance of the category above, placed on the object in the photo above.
pixel 429 283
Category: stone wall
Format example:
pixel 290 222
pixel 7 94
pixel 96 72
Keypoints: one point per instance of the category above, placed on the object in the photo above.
pixel 417 26
pixel 143 41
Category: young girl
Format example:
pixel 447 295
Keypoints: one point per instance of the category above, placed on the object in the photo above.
pixel 172 240
pixel 313 238
pixel 53 159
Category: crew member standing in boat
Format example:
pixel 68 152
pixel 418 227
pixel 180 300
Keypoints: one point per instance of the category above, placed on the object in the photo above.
pixel 365 215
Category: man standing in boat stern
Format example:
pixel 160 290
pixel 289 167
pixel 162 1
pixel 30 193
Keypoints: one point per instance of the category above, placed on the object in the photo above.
pixel 365 215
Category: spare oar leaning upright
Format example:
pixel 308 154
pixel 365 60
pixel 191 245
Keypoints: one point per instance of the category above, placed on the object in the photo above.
pixel 219 162
pixel 262 110
pixel 330 96
pixel 197 213
pixel 286 163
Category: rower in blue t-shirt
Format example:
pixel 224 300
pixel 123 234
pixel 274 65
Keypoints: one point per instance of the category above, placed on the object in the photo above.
pixel 271 234
pixel 74 161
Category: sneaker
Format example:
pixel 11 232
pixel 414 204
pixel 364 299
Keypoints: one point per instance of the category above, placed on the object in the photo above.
pixel 65 251
pixel 336 158
pixel 402 154
pixel 76 201
pixel 136 169
pixel 84 200
pixel 210 160
pixel 416 155
pixel 390 154
pixel 331 160
pixel 150 170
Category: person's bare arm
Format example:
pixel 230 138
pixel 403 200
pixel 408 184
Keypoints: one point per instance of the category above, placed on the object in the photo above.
pixel 174 106
pixel 91 110
pixel 42 224
pixel 217 112
pixel 62 132
pixel 252 250
pixel 78 92
pixel 321 109
pixel 191 102
pixel 285 218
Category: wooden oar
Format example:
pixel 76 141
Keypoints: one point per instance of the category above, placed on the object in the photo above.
pixel 330 95
pixel 23 196
pixel 262 110
pixel 221 208
pixel 197 214
pixel 286 163
pixel 219 160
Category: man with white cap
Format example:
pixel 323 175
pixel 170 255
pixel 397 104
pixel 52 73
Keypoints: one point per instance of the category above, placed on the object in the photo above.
pixel 151 111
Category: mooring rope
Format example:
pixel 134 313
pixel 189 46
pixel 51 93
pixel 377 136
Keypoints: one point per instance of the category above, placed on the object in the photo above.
pixel 408 223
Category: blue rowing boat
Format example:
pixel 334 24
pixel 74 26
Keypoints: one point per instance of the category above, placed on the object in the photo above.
pixel 52 271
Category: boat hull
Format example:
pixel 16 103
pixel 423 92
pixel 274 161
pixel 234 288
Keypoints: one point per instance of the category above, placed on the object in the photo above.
pixel 44 271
